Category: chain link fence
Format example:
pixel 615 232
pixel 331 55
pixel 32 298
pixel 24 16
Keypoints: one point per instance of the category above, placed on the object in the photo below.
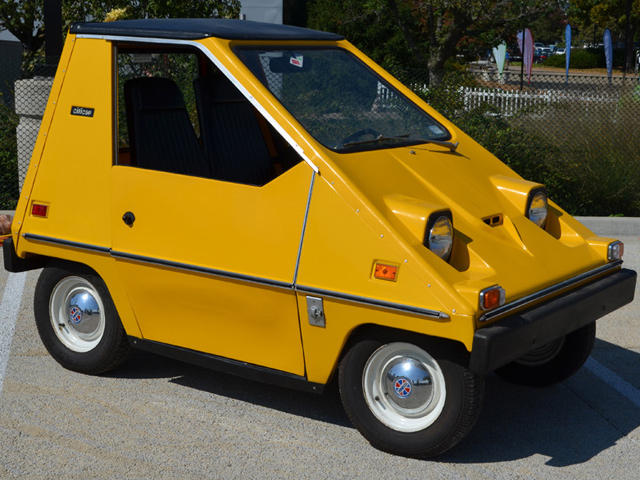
pixel 577 135
pixel 558 107
pixel 586 128
pixel 20 119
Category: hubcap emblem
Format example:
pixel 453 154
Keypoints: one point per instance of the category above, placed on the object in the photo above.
pixel 402 387
pixel 75 315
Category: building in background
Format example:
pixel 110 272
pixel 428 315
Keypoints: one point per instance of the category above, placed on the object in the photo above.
pixel 11 58
pixel 262 10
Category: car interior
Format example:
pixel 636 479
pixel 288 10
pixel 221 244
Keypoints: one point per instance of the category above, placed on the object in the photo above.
pixel 184 116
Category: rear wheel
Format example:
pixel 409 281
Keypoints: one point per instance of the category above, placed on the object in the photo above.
pixel 406 401
pixel 77 320
pixel 553 362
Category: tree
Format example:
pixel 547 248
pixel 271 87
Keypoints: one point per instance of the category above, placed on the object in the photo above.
pixel 622 17
pixel 24 18
pixel 425 34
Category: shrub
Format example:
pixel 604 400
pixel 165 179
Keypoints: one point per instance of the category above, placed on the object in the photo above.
pixel 586 58
pixel 595 169
pixel 8 158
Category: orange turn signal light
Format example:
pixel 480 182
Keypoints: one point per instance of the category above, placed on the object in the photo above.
pixel 492 297
pixel 385 272
pixel 39 210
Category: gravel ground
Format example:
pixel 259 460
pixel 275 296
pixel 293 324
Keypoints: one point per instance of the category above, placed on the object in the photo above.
pixel 157 418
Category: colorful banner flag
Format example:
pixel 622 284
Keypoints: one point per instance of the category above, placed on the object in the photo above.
pixel 527 53
pixel 608 52
pixel 567 51
pixel 500 54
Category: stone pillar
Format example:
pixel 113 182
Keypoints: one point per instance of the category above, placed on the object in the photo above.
pixel 30 101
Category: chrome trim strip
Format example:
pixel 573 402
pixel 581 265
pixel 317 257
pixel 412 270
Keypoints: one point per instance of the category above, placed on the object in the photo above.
pixel 66 243
pixel 206 270
pixel 226 73
pixel 157 261
pixel 524 301
pixel 371 301
pixel 304 228
pixel 240 276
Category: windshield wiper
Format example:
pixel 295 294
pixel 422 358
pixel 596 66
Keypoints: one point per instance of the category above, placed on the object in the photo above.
pixel 381 138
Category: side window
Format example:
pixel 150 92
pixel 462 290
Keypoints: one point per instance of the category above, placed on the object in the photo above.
pixel 177 113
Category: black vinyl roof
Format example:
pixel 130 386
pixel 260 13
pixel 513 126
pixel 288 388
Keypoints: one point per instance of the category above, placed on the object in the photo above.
pixel 195 28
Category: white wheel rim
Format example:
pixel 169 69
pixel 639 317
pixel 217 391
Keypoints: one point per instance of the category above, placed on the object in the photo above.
pixel 404 387
pixel 77 314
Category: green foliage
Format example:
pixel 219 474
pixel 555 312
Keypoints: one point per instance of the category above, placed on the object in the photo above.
pixel 25 18
pixel 78 10
pixel 8 158
pixel 598 168
pixel 605 13
pixel 414 34
pixel 586 58
pixel 372 30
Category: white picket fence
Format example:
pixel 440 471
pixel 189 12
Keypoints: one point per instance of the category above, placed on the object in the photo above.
pixel 510 102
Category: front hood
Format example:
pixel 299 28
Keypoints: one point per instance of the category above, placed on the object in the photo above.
pixel 405 184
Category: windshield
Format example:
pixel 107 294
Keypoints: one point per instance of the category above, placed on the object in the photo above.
pixel 340 101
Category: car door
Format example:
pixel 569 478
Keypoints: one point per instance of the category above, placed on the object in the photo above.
pixel 208 264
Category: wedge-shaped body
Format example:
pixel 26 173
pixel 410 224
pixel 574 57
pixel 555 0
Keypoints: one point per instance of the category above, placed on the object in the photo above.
pixel 266 200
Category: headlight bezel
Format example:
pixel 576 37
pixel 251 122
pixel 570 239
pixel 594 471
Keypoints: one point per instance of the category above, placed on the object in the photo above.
pixel 615 251
pixel 431 222
pixel 530 198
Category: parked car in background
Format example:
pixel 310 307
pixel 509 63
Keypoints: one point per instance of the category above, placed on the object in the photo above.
pixel 540 55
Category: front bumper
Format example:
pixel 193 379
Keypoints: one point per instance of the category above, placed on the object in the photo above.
pixel 512 337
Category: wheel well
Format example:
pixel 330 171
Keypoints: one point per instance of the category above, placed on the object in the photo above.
pixel 440 347
pixel 53 262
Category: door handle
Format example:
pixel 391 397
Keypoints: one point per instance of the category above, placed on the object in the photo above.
pixel 128 218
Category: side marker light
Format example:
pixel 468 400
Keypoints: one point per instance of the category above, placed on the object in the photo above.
pixel 39 210
pixel 385 272
pixel 492 297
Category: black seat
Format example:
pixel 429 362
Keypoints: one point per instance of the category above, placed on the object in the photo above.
pixel 161 135
pixel 231 136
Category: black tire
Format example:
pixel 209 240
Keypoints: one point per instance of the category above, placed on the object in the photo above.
pixel 536 370
pixel 462 403
pixel 111 345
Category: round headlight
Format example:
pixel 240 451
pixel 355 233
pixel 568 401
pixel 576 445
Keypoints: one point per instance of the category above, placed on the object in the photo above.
pixel 440 236
pixel 537 209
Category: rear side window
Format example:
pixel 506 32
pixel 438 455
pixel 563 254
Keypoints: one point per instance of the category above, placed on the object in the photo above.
pixel 177 113
pixel 134 63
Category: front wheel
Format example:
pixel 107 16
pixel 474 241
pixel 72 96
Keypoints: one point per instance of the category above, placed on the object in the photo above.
pixel 406 401
pixel 552 362
pixel 77 320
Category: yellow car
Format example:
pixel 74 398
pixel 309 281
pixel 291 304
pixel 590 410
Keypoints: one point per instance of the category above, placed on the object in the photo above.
pixel 266 200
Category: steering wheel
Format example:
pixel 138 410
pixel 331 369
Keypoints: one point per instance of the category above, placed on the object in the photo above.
pixel 356 135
